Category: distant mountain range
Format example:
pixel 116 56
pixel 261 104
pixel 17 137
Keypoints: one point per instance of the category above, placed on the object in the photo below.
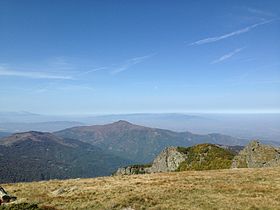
pixel 50 126
pixel 247 126
pixel 33 156
pixel 90 151
pixel 138 143
pixel 14 122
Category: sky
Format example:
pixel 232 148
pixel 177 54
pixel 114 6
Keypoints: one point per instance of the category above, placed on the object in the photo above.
pixel 139 56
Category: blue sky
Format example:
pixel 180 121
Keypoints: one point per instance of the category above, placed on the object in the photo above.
pixel 78 57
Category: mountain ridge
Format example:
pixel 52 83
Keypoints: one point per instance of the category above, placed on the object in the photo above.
pixel 139 143
pixel 35 156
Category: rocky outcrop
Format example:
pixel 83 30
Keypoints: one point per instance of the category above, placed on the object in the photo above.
pixel 168 160
pixel 208 157
pixel 198 157
pixel 257 155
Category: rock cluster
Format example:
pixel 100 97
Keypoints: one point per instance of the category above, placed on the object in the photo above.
pixel 135 169
pixel 257 155
pixel 207 157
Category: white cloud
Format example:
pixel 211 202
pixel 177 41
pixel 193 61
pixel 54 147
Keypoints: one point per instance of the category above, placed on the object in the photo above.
pixel 234 33
pixel 227 56
pixel 31 74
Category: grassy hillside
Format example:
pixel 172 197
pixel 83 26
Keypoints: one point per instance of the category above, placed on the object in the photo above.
pixel 205 157
pixel 216 189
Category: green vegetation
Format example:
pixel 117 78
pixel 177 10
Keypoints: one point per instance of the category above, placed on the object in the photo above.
pixel 205 157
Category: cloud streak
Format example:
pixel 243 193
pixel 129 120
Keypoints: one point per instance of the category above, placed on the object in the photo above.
pixel 118 68
pixel 227 56
pixel 32 74
pixel 261 12
pixel 131 62
pixel 93 70
pixel 234 33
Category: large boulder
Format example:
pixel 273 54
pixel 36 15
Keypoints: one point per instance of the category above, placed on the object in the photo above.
pixel 257 155
pixel 168 160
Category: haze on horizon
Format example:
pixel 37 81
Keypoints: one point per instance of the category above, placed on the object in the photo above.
pixel 81 57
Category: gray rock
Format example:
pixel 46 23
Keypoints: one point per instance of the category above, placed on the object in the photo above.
pixel 257 155
pixel 168 160
pixel 129 170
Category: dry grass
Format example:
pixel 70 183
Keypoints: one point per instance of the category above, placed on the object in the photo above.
pixel 219 189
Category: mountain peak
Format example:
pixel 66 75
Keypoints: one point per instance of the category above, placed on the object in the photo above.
pixel 34 136
pixel 122 122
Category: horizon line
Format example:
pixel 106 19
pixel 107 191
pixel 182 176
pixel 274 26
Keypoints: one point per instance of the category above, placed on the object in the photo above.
pixel 147 112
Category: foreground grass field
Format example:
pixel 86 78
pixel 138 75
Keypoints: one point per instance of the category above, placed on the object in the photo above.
pixel 219 189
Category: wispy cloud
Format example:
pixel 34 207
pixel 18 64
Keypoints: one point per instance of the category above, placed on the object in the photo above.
pixel 31 74
pixel 93 70
pixel 261 12
pixel 5 70
pixel 64 87
pixel 118 68
pixel 130 62
pixel 234 33
pixel 227 56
